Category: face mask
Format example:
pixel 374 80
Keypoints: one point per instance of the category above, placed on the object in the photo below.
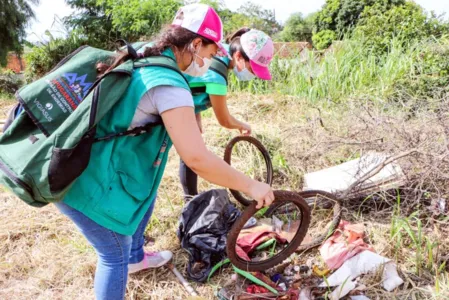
pixel 244 75
pixel 194 68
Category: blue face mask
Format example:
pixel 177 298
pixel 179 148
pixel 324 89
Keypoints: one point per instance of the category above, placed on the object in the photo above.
pixel 244 75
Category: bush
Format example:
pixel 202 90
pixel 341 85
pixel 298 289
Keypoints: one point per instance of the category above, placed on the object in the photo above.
pixel 9 83
pixel 430 75
pixel 409 22
pixel 342 16
pixel 42 59
pixel 323 39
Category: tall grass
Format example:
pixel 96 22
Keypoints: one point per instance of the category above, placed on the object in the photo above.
pixel 409 233
pixel 349 69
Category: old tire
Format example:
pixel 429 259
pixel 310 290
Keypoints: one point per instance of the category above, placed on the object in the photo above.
pixel 228 155
pixel 281 197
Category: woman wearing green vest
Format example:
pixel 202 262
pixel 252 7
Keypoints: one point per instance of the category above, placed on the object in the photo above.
pixel 112 201
pixel 251 52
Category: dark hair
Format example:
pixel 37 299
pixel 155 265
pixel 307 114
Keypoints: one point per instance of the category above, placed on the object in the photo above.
pixel 171 36
pixel 234 42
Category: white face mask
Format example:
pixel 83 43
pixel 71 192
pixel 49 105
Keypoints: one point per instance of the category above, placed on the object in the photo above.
pixel 244 75
pixel 194 68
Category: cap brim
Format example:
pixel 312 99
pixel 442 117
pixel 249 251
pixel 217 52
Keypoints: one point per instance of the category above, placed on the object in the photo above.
pixel 222 50
pixel 260 71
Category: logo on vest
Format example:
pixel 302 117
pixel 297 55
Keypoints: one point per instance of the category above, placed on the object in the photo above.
pixel 43 111
pixel 48 106
pixel 78 84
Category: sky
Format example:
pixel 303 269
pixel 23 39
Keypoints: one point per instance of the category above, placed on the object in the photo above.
pixel 49 9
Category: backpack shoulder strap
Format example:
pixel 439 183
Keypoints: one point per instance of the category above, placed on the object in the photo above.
pixel 157 61
pixel 160 61
pixel 220 67
pixel 138 45
pixel 136 131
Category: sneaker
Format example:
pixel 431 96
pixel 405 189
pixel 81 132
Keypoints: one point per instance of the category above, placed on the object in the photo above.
pixel 151 260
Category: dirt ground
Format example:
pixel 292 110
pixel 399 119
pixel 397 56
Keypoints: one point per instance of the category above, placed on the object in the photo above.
pixel 42 255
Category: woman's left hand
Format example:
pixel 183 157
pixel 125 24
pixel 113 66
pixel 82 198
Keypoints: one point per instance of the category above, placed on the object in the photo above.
pixel 245 129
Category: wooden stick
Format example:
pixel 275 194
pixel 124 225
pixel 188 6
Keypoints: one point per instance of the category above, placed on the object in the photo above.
pixel 183 281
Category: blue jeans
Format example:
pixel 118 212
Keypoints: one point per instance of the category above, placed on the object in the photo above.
pixel 114 251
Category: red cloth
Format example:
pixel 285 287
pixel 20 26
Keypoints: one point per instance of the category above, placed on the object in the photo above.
pixel 346 242
pixel 255 289
pixel 249 242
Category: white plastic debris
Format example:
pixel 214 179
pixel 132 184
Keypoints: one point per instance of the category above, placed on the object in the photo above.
pixel 391 279
pixel 342 290
pixel 305 294
pixel 359 297
pixel 339 178
pixel 363 263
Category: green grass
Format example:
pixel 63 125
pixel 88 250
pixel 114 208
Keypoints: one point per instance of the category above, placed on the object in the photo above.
pixel 348 71
pixel 6 98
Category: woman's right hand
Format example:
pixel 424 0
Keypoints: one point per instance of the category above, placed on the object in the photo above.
pixel 262 193
pixel 245 129
pixel 183 130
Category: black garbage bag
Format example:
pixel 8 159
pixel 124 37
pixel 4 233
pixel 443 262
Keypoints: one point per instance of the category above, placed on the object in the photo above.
pixel 203 227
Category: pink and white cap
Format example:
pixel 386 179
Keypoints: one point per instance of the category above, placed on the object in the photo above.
pixel 203 20
pixel 259 48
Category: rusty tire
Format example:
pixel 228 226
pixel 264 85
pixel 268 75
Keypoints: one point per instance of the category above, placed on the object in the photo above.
pixel 331 199
pixel 281 197
pixel 227 158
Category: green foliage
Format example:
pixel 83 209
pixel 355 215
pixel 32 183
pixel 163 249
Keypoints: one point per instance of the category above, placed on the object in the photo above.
pixel 15 15
pixel 137 18
pixel 248 15
pixel 297 28
pixel 218 5
pixel 409 22
pixel 342 16
pixel 43 58
pixel 259 18
pixel 430 76
pixel 92 21
pixel 103 21
pixel 235 21
pixel 324 39
pixel 349 70
pixel 9 83
pixel 326 18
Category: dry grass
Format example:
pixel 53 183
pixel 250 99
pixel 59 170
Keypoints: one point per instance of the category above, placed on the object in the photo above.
pixel 42 256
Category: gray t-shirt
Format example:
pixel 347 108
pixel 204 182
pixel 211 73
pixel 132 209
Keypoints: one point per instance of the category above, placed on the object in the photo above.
pixel 160 99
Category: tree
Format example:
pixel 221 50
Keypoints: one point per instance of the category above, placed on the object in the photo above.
pixel 15 16
pixel 41 59
pixel 104 21
pixel 232 21
pixel 137 18
pixel 92 21
pixel 342 16
pixel 297 29
pixel 408 23
pixel 323 39
pixel 259 18
pixel 218 5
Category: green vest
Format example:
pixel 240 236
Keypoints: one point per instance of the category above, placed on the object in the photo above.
pixel 123 174
pixel 201 99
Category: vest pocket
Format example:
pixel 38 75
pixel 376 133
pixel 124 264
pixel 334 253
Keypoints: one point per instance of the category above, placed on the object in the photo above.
pixel 124 198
